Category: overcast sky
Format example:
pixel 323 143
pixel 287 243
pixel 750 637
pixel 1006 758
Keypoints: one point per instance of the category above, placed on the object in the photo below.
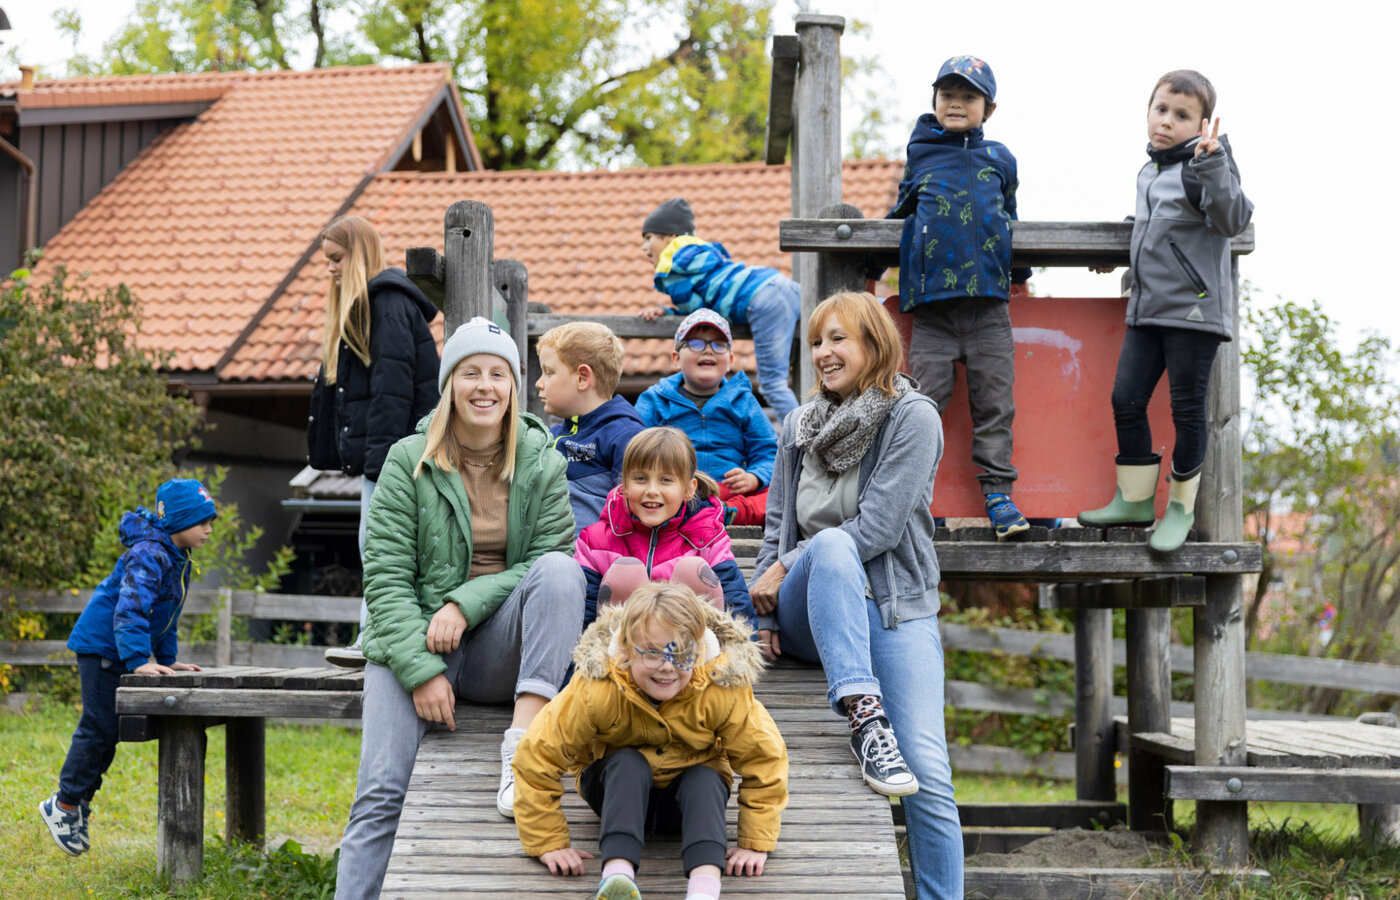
pixel 1302 96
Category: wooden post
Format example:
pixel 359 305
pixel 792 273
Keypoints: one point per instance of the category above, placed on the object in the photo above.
pixel 1222 827
pixel 1149 709
pixel 816 152
pixel 180 799
pixel 1380 822
pixel 509 277
pixel 838 272
pixel 245 774
pixel 223 637
pixel 1093 703
pixel 468 236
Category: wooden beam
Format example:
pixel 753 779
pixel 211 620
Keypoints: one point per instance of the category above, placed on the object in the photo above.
pixel 1148 654
pixel 663 327
pixel 1146 593
pixel 786 51
pixel 219 702
pixel 1093 705
pixel 1235 783
pixel 512 282
pixel 468 238
pixel 1075 814
pixel 1032 243
pixel 245 774
pixel 1054 561
pixel 180 800
pixel 428 270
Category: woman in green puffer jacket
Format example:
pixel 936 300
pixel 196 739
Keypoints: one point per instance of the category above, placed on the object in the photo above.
pixel 471 589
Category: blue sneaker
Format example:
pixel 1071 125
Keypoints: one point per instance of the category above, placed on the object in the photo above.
pixel 67 826
pixel 1006 518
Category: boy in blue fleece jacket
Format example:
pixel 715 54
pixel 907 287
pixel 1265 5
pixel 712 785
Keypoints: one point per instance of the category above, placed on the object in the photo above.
pixel 696 274
pixel 131 617
pixel 580 364
pixel 957 200
pixel 733 439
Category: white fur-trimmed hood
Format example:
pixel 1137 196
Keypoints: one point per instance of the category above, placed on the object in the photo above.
pixel 731 658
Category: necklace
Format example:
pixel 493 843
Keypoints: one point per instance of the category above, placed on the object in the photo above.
pixel 477 465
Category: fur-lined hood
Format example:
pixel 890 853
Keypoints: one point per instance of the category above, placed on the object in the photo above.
pixel 731 658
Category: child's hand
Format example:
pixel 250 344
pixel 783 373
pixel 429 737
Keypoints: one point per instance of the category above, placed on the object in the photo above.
pixel 434 701
pixel 185 667
pixel 151 668
pixel 1210 138
pixel 651 312
pixel 768 645
pixel 740 482
pixel 446 628
pixel 739 861
pixel 1102 270
pixel 565 861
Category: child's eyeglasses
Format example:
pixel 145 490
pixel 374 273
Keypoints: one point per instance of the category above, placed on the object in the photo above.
pixel 682 659
pixel 695 345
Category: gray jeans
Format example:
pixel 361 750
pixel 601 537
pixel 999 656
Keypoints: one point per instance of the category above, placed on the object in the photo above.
pixel 974 331
pixel 524 648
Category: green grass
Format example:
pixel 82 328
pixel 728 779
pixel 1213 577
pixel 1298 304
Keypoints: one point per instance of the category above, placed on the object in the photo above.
pixel 310 783
pixel 1312 850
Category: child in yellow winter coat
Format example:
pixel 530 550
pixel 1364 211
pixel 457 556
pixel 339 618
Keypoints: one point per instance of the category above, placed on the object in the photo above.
pixel 657 719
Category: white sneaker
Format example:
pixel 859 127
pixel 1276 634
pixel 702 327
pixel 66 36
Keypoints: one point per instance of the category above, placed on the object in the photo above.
pixel 351 657
pixel 505 794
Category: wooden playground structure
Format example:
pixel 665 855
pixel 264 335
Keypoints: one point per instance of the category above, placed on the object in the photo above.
pixel 838 837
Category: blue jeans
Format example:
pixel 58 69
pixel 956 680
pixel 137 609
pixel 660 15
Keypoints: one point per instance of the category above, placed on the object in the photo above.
pixel 824 615
pixel 367 486
pixel 1186 356
pixel 94 743
pixel 773 313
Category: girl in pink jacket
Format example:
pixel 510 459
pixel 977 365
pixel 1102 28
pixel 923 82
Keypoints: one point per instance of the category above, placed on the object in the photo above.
pixel 665 522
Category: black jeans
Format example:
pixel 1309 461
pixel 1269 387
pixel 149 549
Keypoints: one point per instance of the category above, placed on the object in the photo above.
pixel 619 789
pixel 1187 357
pixel 95 739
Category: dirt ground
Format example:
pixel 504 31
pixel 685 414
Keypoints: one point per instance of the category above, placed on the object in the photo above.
pixel 1116 848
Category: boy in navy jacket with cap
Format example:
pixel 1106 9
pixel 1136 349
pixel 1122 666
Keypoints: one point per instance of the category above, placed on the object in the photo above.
pixel 131 617
pixel 957 200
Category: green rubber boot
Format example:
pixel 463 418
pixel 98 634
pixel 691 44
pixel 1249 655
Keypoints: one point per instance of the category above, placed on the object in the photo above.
pixel 1172 529
pixel 1133 501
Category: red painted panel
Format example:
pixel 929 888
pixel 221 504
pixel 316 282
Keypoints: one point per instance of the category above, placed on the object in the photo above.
pixel 1066 356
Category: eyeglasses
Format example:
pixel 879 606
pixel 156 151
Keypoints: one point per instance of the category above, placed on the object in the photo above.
pixel 695 345
pixel 681 659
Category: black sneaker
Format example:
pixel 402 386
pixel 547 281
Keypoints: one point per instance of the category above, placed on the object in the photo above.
pixel 881 764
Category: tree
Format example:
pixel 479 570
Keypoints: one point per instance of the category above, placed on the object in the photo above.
pixel 1321 437
pixel 83 412
pixel 594 82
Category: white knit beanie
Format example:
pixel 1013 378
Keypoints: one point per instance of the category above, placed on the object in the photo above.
pixel 478 336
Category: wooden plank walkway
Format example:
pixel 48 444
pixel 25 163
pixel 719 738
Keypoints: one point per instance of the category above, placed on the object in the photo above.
pixel 837 835
pixel 1282 744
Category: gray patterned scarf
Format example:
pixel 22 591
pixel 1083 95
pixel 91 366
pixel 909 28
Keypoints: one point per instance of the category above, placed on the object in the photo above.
pixel 840 433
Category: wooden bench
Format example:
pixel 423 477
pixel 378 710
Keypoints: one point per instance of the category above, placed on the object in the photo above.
pixel 837 836
pixel 176 709
pixel 1302 762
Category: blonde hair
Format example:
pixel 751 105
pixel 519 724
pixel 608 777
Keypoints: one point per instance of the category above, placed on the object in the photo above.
pixel 668 450
pixel 588 344
pixel 674 607
pixel 863 316
pixel 442 447
pixel 347 303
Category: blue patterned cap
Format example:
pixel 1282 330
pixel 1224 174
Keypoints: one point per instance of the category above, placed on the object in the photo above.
pixel 972 70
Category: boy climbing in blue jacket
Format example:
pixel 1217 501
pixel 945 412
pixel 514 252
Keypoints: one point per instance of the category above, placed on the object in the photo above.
pixel 131 617
pixel 734 441
pixel 957 200
pixel 696 274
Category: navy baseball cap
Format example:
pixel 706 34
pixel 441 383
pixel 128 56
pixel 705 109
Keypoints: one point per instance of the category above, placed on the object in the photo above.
pixel 972 70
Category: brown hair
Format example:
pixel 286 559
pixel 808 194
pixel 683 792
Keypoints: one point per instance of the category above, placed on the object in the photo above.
pixel 674 607
pixel 588 344
pixel 442 446
pixel 670 450
pixel 347 303
pixel 1191 83
pixel 862 315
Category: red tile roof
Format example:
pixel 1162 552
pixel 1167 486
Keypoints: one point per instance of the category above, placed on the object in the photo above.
pixel 579 235
pixel 124 90
pixel 209 220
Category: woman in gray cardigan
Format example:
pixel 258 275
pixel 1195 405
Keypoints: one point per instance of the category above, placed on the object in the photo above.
pixel 847 574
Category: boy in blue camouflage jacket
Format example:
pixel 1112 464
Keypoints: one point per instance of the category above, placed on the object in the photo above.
pixel 696 274
pixel 957 199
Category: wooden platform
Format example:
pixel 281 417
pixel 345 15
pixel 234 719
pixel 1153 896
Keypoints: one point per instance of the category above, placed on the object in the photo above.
pixel 837 835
